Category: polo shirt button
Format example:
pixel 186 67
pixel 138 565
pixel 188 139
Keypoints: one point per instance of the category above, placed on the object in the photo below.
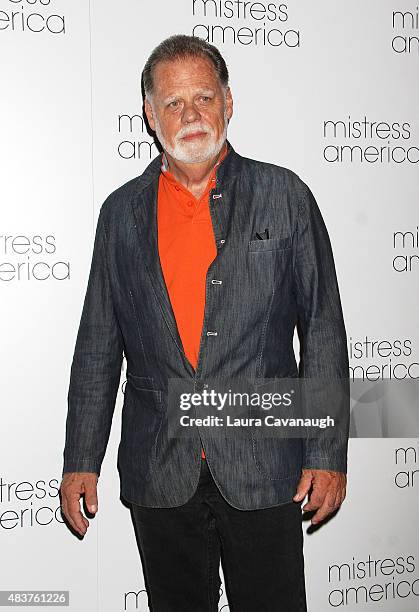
pixel 190 203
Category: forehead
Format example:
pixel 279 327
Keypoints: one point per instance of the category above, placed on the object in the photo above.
pixel 184 72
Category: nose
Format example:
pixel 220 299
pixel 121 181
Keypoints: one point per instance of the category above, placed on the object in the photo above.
pixel 190 113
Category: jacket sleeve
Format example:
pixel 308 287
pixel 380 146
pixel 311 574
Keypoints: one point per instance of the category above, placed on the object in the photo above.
pixel 322 335
pixel 96 367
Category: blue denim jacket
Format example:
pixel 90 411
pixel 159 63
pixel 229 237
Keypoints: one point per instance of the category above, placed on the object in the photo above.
pixel 268 287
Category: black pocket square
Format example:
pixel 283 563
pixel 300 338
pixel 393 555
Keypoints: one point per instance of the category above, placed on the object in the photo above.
pixel 262 235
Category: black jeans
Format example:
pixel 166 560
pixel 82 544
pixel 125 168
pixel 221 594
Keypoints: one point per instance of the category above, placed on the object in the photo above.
pixel 261 552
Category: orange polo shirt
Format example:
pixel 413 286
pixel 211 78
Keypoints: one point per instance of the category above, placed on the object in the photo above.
pixel 187 247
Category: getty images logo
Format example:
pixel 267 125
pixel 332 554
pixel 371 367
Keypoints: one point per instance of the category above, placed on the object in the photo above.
pixel 31 17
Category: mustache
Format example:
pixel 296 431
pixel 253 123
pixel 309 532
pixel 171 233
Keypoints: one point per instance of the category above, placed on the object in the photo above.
pixel 191 129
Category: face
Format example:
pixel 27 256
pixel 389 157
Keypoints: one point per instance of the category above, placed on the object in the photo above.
pixel 189 109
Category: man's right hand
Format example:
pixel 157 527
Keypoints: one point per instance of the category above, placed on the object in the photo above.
pixel 73 486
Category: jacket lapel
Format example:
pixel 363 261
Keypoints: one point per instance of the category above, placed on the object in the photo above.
pixel 144 205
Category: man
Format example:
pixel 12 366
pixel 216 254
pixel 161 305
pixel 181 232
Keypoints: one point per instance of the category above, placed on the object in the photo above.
pixel 202 267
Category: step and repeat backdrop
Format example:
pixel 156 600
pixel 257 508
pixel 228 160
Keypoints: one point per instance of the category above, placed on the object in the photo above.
pixel 328 89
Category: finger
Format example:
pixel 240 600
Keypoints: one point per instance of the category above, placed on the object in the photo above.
pixel 303 486
pixel 74 525
pixel 81 523
pixel 64 507
pixel 317 498
pixel 338 499
pixel 341 496
pixel 327 507
pixel 333 498
pixel 90 497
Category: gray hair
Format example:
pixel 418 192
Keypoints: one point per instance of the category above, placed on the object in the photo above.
pixel 180 46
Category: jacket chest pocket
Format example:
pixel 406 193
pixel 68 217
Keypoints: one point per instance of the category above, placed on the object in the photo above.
pixel 270 244
pixel 269 262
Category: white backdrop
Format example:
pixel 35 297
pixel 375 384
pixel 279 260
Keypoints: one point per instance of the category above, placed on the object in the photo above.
pixel 328 89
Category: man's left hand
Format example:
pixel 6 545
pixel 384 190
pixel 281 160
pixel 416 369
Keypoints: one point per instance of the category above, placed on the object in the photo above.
pixel 329 491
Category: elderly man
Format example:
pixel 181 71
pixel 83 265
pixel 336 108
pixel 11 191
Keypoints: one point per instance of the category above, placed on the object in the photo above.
pixel 202 268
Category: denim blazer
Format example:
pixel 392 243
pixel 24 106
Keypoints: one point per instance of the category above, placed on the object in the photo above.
pixel 269 288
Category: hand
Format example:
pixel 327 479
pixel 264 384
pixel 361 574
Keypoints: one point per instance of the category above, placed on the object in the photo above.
pixel 73 486
pixel 329 491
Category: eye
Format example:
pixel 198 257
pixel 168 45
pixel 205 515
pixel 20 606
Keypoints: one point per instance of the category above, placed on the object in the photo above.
pixel 173 104
pixel 205 98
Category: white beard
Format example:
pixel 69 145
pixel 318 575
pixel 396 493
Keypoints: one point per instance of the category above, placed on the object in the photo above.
pixel 195 151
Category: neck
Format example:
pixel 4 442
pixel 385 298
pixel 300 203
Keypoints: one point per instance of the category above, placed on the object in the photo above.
pixel 193 176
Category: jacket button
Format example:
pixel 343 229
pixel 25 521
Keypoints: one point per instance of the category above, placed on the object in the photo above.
pixel 199 386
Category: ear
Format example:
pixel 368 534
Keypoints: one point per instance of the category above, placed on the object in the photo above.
pixel 149 114
pixel 229 103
